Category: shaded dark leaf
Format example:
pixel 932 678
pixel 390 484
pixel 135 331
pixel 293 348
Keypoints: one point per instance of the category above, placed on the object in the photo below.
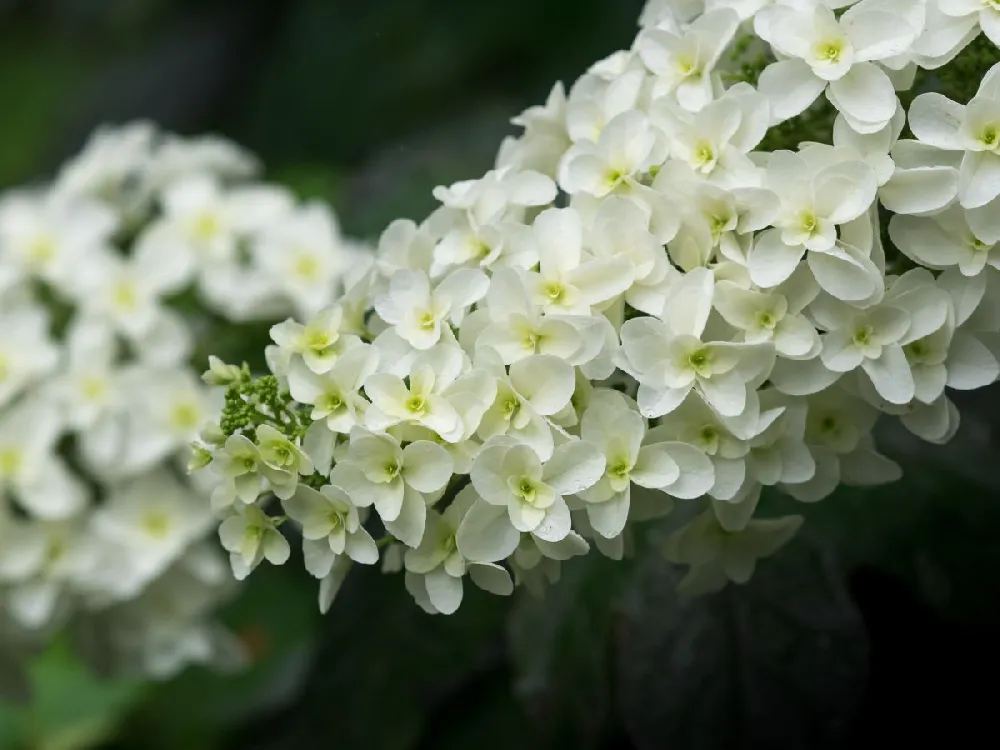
pixel 15 688
pixel 561 651
pixel 384 668
pixel 778 663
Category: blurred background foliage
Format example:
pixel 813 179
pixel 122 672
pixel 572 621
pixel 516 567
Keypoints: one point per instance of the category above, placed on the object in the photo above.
pixel 883 611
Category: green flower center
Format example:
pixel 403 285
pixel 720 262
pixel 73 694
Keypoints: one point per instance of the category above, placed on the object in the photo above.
pixel 307 267
pixel 829 51
pixel 554 291
pixel 318 341
pixel 620 470
pixel 808 222
pixel 766 320
pixel 206 227
pixel 157 524
pixel 704 155
pixel 332 402
pixel 427 322
pixel 185 417
pixel 10 462
pixel 42 251
pixel 990 136
pixel 526 489
pixel 510 407
pixel 699 361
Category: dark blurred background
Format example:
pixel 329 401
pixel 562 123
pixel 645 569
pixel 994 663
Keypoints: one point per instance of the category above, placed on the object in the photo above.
pixel 877 626
pixel 372 102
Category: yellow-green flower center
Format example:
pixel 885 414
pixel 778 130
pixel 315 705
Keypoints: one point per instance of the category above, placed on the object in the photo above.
pixel 427 322
pixel 863 336
pixel 307 266
pixel 829 51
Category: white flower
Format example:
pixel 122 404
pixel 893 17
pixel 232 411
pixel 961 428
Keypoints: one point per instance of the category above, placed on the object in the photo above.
pixel 404 246
pixel 238 464
pixel 154 519
pixel 567 281
pixel 319 342
pixel 986 12
pixel 823 49
pixel 536 388
pixel 207 222
pixel 973 129
pixel 515 327
pixel 335 395
pixel 871 339
pixel 379 472
pixel 512 477
pixel 30 472
pixel 250 537
pixel 303 252
pixel 27 352
pixel 670 359
pixel 545 138
pixel 49 236
pixel 167 409
pixel 625 150
pixel 111 167
pixel 774 316
pixel 127 293
pixel 944 240
pixel 683 62
pixel 718 556
pixel 621 234
pixel 43 565
pixel 426 401
pixel 177 158
pixel 418 312
pixel 331 526
pixel 498 191
pixel 815 197
pixel 91 385
pixel 715 140
pixel 778 452
pixel 435 569
pixel 678 469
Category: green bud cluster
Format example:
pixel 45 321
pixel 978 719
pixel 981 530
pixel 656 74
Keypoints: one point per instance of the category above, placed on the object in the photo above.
pixel 256 401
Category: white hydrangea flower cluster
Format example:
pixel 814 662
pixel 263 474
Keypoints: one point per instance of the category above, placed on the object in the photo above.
pixel 637 295
pixel 108 277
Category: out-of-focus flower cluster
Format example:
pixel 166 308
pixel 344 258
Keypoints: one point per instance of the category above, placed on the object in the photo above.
pixel 110 276
pixel 638 308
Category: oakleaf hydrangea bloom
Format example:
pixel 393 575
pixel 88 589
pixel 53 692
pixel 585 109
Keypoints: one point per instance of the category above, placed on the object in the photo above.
pixel 661 297
pixel 143 247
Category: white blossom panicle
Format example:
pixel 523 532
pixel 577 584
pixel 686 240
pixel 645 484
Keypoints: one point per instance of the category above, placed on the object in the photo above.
pixel 111 277
pixel 645 305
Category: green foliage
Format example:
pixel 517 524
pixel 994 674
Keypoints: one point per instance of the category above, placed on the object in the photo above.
pixel 560 650
pixel 37 76
pixel 959 80
pixel 70 708
pixel 277 620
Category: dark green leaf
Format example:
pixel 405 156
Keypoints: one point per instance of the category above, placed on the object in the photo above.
pixel 778 663
pixel 561 651
pixel 384 667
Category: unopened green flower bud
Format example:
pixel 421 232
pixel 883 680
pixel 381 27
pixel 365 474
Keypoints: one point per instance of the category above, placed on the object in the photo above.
pixel 219 373
pixel 200 458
